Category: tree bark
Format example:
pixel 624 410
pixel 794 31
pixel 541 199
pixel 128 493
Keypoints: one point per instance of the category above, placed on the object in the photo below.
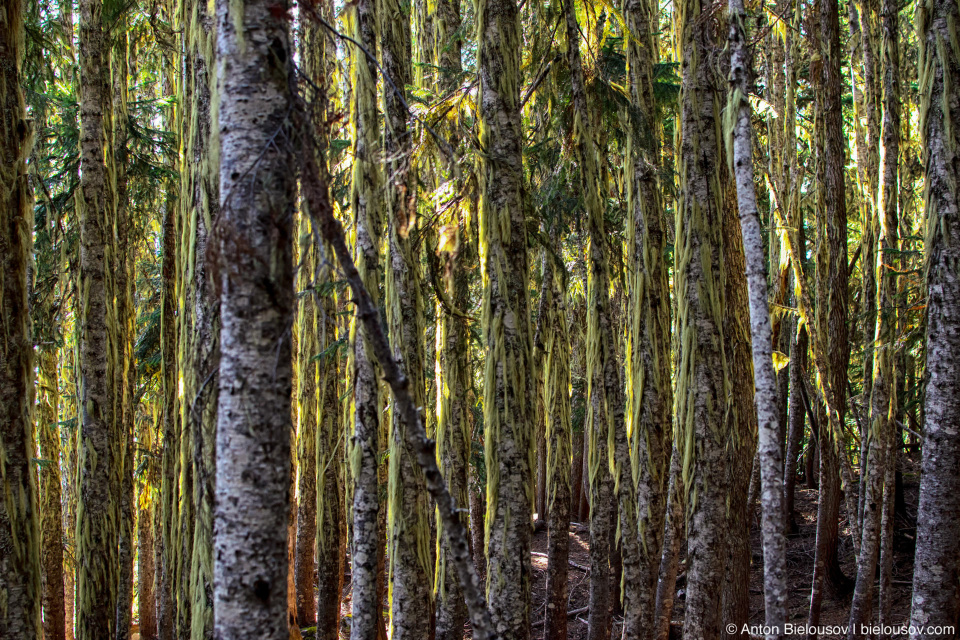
pixel 702 374
pixel 770 444
pixel 51 513
pixel 649 389
pixel 20 538
pixel 96 545
pixel 505 318
pixel 936 600
pixel 556 403
pixel 365 445
pixel 409 529
pixel 257 196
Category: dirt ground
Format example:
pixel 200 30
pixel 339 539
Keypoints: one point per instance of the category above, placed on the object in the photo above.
pixel 800 560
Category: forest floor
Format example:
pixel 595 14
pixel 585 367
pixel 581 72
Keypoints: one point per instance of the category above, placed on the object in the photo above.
pixel 800 561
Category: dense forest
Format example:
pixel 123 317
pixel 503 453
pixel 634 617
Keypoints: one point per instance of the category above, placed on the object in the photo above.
pixel 514 319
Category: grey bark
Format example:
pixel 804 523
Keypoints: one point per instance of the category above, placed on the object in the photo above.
pixel 936 600
pixel 257 196
pixel 770 445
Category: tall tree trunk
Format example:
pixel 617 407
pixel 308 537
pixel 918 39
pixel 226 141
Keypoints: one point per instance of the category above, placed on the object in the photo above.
pixel 936 600
pixel 307 414
pixel 649 389
pixel 505 317
pixel 366 551
pixel 886 404
pixel 454 367
pixel 123 254
pixel 170 410
pixel 883 402
pixel 770 443
pixel 832 306
pixel 200 319
pixel 702 375
pixel 51 513
pixel 257 196
pixel 605 415
pixel 96 542
pixel 318 54
pixel 409 530
pixel 556 402
pixel 20 569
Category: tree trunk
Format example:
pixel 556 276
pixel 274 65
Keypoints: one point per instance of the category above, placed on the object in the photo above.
pixel 51 513
pixel 883 401
pixel 556 402
pixel 409 530
pixel 702 374
pixel 672 540
pixel 96 545
pixel 770 443
pixel 605 415
pixel 832 305
pixel 936 600
pixel 20 538
pixel 366 551
pixel 505 318
pixel 796 413
pixel 649 389
pixel 257 196
pixel 307 420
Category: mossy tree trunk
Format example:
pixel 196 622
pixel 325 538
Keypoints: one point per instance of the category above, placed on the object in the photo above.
pixel 409 530
pixel 649 386
pixel 505 317
pixel 366 205
pixel 96 530
pixel 704 384
pixel 20 570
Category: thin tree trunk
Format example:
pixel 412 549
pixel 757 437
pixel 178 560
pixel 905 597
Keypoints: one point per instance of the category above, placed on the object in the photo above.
pixel 170 411
pixel 649 389
pixel 670 559
pixel 796 413
pixel 409 528
pixel 605 416
pixel 123 383
pixel 51 513
pixel 505 318
pixel 366 550
pixel 936 600
pixel 20 538
pixel 257 196
pixel 770 444
pixel 556 403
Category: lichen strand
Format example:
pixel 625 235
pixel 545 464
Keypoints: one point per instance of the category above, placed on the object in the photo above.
pixel 505 319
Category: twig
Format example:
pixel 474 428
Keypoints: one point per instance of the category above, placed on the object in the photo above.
pixel 570 562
